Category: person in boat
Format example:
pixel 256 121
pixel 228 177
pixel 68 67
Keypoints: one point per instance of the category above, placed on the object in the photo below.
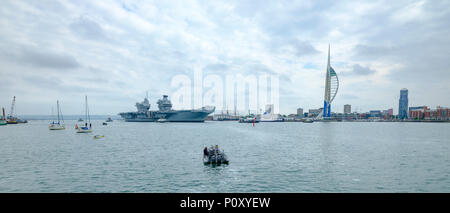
pixel 85 124
pixel 205 152
pixel 90 126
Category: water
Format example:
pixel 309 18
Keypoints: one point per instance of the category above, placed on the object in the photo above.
pixel 270 157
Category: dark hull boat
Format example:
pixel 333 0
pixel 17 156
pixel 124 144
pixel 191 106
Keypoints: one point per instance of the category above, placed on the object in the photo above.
pixel 215 157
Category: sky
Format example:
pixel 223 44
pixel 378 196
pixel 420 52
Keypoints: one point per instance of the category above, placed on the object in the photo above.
pixel 115 51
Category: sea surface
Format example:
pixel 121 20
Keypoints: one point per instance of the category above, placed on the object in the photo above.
pixel 270 157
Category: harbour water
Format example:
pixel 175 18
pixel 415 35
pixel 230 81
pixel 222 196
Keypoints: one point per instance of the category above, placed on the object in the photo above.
pixel 270 157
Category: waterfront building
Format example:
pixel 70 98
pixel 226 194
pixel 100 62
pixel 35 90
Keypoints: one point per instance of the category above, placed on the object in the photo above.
pixel 441 113
pixel 403 104
pixel 387 114
pixel 350 116
pixel 425 113
pixel 417 113
pixel 363 115
pixel 331 88
pixel 375 114
pixel 347 109
pixel 291 117
pixel 300 113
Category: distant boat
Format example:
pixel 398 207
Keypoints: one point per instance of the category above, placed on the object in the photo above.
pixel 58 125
pixel 161 120
pixel 248 119
pixel 104 123
pixel 308 121
pixel 85 128
pixel 80 120
pixel 3 119
pixel 11 119
pixel 20 121
pixel 98 136
pixel 109 120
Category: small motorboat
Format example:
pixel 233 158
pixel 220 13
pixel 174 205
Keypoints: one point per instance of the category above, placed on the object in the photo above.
pixel 308 121
pixel 109 120
pixel 104 123
pixel 215 156
pixel 98 136
pixel 161 120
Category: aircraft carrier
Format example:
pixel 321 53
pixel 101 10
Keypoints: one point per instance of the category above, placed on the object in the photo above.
pixel 165 113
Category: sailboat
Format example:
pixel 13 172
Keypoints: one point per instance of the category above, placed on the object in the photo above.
pixel 85 128
pixel 57 125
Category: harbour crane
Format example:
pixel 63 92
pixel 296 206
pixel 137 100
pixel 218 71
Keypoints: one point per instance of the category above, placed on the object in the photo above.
pixel 11 112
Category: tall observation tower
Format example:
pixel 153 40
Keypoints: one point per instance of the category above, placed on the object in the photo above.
pixel 331 88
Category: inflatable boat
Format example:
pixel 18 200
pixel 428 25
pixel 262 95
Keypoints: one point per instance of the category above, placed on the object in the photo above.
pixel 215 156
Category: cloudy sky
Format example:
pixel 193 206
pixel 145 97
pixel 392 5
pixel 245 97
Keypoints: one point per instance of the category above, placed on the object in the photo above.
pixel 114 51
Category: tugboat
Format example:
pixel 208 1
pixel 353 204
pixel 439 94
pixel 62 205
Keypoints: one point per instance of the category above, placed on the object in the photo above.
pixel 248 119
pixel 214 156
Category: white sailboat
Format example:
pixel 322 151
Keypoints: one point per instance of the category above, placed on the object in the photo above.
pixel 85 128
pixel 60 124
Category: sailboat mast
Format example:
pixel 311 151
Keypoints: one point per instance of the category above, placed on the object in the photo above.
pixel 85 108
pixel 88 117
pixel 57 108
pixel 53 115
pixel 62 118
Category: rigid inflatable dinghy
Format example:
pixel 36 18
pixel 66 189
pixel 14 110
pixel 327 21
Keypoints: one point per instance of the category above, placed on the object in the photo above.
pixel 215 156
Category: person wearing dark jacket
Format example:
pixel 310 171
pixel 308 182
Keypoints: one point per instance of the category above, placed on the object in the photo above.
pixel 205 152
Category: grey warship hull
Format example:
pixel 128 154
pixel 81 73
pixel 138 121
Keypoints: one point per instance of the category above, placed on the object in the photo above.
pixel 166 112
pixel 171 116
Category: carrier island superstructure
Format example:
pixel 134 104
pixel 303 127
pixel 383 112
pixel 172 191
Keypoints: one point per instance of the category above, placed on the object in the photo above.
pixel 166 113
